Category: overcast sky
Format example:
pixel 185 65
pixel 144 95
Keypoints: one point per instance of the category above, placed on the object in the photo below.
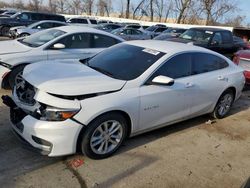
pixel 243 5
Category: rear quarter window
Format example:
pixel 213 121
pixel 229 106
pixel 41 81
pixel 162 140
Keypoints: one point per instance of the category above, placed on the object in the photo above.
pixel 203 62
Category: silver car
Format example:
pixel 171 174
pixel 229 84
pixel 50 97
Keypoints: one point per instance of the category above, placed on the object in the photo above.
pixel 131 34
pixel 22 31
pixel 66 42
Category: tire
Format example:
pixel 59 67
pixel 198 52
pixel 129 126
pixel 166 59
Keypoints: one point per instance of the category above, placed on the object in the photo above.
pixel 5 31
pixel 24 35
pixel 15 76
pixel 224 104
pixel 98 143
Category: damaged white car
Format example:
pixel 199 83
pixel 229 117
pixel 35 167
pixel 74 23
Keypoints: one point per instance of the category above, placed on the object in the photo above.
pixel 126 90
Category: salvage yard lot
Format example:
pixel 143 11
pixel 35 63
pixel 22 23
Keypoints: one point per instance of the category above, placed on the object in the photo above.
pixel 188 154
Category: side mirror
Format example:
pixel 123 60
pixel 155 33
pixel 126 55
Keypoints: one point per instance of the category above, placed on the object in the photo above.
pixel 214 43
pixel 58 46
pixel 163 80
pixel 39 27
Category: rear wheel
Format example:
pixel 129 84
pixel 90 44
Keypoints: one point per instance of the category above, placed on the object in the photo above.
pixel 224 104
pixel 104 136
pixel 16 78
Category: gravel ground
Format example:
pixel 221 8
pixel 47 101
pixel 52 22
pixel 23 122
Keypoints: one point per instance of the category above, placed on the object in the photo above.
pixel 188 154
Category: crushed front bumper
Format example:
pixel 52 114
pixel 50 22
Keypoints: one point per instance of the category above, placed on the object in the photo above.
pixel 55 138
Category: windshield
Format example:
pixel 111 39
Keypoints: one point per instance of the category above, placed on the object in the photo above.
pixel 116 31
pixel 15 15
pixel 124 61
pixel 202 36
pixel 41 38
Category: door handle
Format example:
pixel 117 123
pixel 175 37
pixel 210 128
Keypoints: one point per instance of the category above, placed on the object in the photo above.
pixel 222 78
pixel 188 85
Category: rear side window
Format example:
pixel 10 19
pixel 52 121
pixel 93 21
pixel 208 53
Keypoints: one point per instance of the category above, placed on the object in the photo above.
pixel 177 67
pixel 102 41
pixel 203 63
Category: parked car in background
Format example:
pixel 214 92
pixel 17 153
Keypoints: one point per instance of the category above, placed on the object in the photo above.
pixel 22 31
pixel 242 59
pixel 218 40
pixel 170 33
pixel 103 21
pixel 25 18
pixel 67 42
pixel 108 27
pixel 8 13
pixel 238 41
pixel 155 30
pixel 131 34
pixel 126 90
pixel 82 21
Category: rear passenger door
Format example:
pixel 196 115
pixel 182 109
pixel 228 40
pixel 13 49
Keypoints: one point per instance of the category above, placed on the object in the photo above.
pixel 208 80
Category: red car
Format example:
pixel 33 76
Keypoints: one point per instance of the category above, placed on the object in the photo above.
pixel 242 58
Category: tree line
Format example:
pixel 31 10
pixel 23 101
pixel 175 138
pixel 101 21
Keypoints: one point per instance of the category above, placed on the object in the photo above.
pixel 209 12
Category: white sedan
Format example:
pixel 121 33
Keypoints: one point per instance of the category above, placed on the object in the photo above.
pixel 67 42
pixel 128 89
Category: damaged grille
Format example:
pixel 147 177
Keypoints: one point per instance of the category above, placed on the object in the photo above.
pixel 26 92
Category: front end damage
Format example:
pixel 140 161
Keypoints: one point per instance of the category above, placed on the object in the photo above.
pixel 48 128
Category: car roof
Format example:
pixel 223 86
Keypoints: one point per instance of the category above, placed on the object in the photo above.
pixel 53 21
pixel 77 29
pixel 209 29
pixel 166 46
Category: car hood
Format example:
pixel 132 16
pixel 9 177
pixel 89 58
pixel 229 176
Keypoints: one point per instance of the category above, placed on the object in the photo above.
pixel 11 47
pixel 69 78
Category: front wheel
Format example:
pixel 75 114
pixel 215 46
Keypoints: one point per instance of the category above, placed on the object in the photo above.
pixel 16 78
pixel 223 105
pixel 104 136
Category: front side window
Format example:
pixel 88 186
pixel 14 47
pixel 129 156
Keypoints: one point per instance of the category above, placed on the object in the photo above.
pixel 93 21
pixel 83 21
pixel 124 61
pixel 227 37
pixel 177 67
pixel 76 41
pixel 102 41
pixel 41 38
pixel 24 16
pixel 44 26
pixel 203 63
pixel 217 39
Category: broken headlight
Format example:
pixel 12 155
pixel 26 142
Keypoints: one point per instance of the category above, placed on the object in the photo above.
pixel 55 114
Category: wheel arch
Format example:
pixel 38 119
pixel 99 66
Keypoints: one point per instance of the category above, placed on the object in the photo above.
pixel 123 113
pixel 5 82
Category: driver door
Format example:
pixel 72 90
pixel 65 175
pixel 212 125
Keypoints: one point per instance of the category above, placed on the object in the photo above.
pixel 161 104
pixel 77 46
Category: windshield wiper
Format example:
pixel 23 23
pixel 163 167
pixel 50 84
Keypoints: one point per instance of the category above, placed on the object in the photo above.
pixel 102 71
